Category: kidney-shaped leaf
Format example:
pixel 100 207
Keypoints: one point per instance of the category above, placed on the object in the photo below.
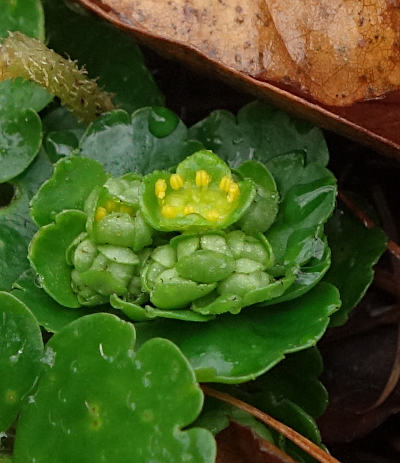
pixel 259 132
pixel 49 314
pixel 153 138
pixel 99 400
pixel 71 183
pixel 20 140
pixel 21 348
pixel 237 348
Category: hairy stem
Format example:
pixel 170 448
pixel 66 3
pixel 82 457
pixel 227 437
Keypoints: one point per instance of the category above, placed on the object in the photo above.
pixel 22 56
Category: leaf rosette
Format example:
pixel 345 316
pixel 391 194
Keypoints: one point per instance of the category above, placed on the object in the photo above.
pixel 234 244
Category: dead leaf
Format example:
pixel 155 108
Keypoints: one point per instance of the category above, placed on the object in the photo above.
pixel 238 444
pixel 309 57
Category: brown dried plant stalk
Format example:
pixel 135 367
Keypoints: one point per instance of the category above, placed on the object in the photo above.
pixel 22 56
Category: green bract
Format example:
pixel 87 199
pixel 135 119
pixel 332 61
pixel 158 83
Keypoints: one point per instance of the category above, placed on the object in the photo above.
pixel 201 195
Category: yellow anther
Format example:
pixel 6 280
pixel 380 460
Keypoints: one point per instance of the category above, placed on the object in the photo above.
pixel 101 212
pixel 111 206
pixel 225 183
pixel 202 178
pixel 169 212
pixel 212 215
pixel 189 209
pixel 126 208
pixel 176 181
pixel 233 192
pixel 160 188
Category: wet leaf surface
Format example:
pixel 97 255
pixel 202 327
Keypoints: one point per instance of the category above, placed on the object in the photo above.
pixel 123 143
pixel 21 348
pixel 71 183
pixel 355 249
pixel 49 314
pixel 237 348
pixel 134 411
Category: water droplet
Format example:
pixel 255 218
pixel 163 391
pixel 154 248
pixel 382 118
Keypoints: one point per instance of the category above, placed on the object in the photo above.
pixel 237 140
pixel 162 122
pixel 107 358
pixel 74 366
pixel 146 379
pixel 49 357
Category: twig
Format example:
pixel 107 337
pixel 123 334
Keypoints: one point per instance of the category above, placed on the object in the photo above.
pixel 301 441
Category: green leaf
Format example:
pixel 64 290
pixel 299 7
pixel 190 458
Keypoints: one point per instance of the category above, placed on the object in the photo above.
pixel 47 255
pixel 21 348
pixel 216 416
pixel 355 250
pixel 123 144
pixel 262 336
pixel 294 379
pixel 259 132
pixel 51 315
pixel 20 140
pixel 22 15
pixel 106 52
pixel 16 227
pixel 111 403
pixel 23 94
pixel 72 181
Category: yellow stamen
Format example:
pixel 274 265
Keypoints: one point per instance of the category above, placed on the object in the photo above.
pixel 160 188
pixel 225 183
pixel 101 212
pixel 126 208
pixel 202 178
pixel 233 192
pixel 189 209
pixel 212 215
pixel 169 212
pixel 176 181
pixel 111 206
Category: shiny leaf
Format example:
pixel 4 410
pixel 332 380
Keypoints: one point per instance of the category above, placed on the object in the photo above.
pixel 49 314
pixel 259 132
pixel 21 348
pixel 355 250
pixel 47 255
pixel 123 144
pixel 16 227
pixel 134 410
pixel 72 181
pixel 20 140
pixel 23 94
pixel 237 348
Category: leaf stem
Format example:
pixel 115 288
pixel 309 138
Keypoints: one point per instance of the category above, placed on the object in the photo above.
pixel 301 441
pixel 22 56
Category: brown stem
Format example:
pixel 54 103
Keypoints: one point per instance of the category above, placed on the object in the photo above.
pixel 301 441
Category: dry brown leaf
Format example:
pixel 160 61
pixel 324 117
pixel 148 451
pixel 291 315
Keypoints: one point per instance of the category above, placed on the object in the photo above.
pixel 309 57
pixel 238 444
